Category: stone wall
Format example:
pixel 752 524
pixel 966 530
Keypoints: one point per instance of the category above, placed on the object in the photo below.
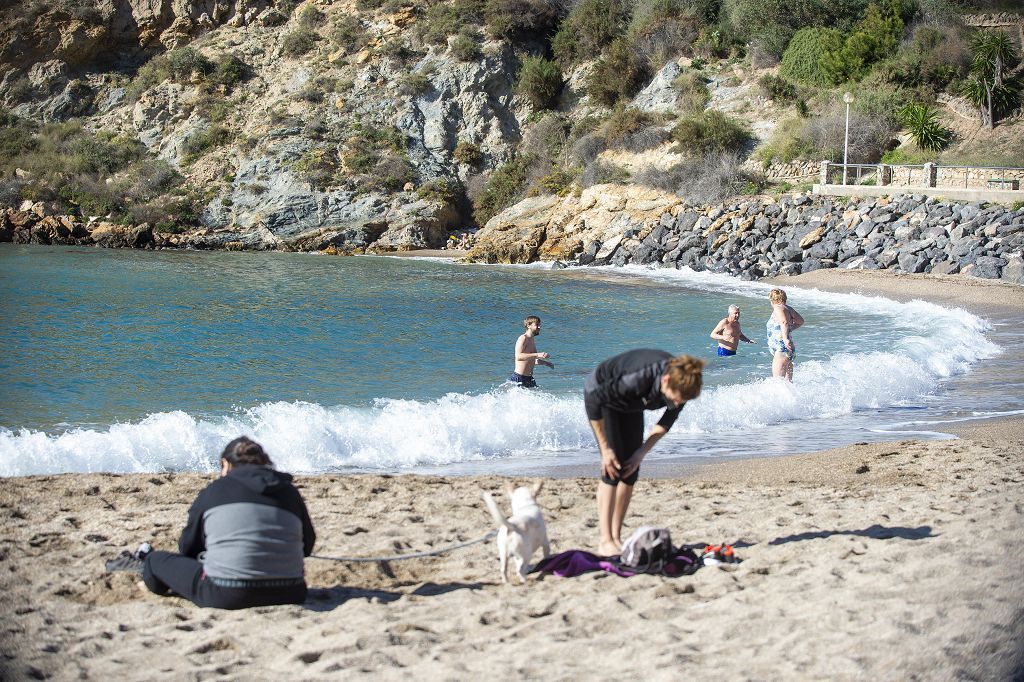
pixel 764 237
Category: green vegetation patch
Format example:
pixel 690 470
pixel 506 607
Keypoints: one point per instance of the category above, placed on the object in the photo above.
pixel 710 132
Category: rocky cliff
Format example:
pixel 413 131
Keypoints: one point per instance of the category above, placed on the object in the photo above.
pixel 341 145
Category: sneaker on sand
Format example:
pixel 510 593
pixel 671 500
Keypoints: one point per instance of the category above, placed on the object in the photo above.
pixel 125 561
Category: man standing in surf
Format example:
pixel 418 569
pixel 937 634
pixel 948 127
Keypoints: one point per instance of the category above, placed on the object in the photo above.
pixel 527 356
pixel 616 394
pixel 728 333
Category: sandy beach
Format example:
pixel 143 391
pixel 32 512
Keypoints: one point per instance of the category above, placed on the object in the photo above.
pixel 897 560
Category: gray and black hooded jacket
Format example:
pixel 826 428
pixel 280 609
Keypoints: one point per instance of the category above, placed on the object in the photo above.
pixel 629 382
pixel 251 524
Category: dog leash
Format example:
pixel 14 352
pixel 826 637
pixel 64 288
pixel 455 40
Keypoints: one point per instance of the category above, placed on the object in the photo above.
pixel 400 557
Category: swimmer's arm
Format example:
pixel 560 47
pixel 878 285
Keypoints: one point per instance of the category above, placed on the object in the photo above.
pixel 717 333
pixel 797 320
pixel 743 337
pixel 784 330
pixel 546 363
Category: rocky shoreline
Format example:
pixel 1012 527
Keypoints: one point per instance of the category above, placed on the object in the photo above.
pixel 761 237
pixel 750 238
pixel 34 223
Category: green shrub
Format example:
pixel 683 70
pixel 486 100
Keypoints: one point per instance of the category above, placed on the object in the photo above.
pixel 802 60
pixel 590 26
pixel 513 18
pixel 439 191
pixel 311 17
pixel 187 62
pixel 624 122
pixel 874 38
pixel 369 5
pixel 777 88
pixel 16 138
pixel 468 153
pixel 414 84
pixel 318 166
pixel 389 174
pixel 540 81
pixel 299 42
pixel 229 70
pixel 348 32
pixel 788 143
pixel 505 186
pixel 601 173
pixel 370 144
pixel 446 19
pixel 693 92
pixel 710 131
pixel 559 182
pixel 464 47
pixel 102 153
pixel 181 65
pixel 198 143
pixel 924 126
pixel 619 74
pixel 771 24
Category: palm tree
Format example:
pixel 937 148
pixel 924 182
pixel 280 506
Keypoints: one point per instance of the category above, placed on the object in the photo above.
pixel 988 88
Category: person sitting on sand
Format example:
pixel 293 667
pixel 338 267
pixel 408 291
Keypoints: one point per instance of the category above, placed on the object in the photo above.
pixel 615 395
pixel 527 356
pixel 780 326
pixel 245 539
pixel 728 333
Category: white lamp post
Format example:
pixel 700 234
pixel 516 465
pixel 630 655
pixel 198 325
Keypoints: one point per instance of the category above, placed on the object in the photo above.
pixel 848 98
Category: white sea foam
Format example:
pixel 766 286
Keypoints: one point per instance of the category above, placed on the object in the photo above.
pixel 305 437
pixel 935 343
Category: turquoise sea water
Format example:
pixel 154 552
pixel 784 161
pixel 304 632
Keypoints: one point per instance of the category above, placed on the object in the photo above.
pixel 144 361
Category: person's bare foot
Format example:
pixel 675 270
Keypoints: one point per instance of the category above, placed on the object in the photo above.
pixel 608 548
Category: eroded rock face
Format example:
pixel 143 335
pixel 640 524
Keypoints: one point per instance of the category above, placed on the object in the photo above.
pixel 552 228
pixel 466 102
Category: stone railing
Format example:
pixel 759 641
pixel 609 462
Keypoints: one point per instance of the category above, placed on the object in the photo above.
pixel 927 175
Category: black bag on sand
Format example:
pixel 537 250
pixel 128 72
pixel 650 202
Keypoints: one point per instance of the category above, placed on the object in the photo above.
pixel 647 550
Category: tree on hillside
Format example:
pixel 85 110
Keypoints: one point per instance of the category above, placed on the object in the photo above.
pixel 874 37
pixel 988 87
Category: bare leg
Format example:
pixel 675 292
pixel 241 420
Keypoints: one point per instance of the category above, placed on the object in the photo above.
pixel 789 368
pixel 606 497
pixel 779 362
pixel 623 494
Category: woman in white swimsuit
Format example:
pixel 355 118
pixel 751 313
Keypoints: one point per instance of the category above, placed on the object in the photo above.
pixel 780 325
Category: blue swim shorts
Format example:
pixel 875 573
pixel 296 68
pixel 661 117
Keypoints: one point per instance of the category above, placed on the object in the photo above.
pixel 725 352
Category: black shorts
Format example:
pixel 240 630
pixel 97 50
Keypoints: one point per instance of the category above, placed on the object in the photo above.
pixel 624 432
pixel 524 380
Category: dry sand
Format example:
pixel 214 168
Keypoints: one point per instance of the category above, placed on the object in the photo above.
pixel 885 561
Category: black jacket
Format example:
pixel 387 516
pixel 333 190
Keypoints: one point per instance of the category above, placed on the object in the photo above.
pixel 250 524
pixel 629 382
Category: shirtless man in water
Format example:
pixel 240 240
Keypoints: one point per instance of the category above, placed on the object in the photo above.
pixel 728 333
pixel 527 355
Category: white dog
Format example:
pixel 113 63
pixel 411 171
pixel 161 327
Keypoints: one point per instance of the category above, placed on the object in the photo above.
pixel 521 534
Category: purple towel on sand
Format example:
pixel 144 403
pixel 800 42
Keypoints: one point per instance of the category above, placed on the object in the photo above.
pixel 576 562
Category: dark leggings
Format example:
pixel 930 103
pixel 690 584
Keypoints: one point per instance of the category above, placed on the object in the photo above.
pixel 165 573
pixel 624 432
